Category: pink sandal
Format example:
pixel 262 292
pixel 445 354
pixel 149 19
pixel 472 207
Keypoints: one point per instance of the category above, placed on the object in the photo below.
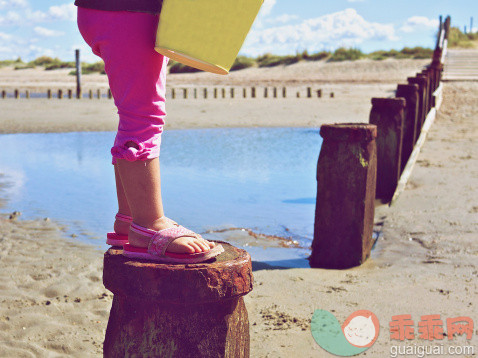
pixel 115 239
pixel 159 242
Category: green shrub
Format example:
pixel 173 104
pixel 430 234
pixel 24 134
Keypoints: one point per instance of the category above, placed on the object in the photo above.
pixel 315 56
pixel 456 38
pixel 242 62
pixel 180 68
pixel 93 67
pixel 270 60
pixel 60 64
pixel 24 66
pixel 346 54
pixel 17 62
pixel 415 53
pixel 44 61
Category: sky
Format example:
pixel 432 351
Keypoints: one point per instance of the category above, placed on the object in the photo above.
pixel 32 28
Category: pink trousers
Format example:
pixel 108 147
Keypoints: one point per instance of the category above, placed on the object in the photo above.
pixel 136 74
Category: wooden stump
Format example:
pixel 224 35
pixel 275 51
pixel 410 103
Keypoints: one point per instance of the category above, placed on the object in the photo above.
pixel 388 114
pixel 346 174
pixel 174 310
pixel 410 94
pixel 422 112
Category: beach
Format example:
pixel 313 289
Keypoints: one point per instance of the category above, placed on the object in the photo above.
pixel 53 299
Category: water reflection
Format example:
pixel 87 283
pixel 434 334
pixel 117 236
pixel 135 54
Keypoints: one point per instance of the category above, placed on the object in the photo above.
pixel 212 179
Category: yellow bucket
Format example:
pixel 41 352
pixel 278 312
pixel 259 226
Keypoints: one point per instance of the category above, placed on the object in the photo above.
pixel 205 34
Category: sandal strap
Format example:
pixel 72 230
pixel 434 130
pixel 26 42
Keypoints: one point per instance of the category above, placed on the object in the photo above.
pixel 161 239
pixel 125 218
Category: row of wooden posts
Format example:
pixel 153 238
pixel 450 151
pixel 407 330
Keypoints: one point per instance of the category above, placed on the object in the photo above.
pixel 273 92
pixel 360 163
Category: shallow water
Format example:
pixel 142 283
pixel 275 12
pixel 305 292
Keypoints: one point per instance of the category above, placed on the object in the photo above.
pixel 212 179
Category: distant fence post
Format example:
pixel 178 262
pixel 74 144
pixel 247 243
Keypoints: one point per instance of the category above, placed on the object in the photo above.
pixel 344 213
pixel 284 92
pixel 388 114
pixel 205 92
pixel 4 94
pixel 78 73
pixel 253 92
pixel 309 92
pixel 410 94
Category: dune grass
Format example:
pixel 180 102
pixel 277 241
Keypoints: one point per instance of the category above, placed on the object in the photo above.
pixel 458 39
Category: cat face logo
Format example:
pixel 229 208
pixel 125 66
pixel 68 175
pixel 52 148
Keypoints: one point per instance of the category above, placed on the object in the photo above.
pixel 358 333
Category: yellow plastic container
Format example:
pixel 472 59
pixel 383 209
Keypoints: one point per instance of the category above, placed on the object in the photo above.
pixel 205 34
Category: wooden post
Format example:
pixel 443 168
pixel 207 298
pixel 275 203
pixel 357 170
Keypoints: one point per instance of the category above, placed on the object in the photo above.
pixel 70 94
pixel 60 94
pixel 274 92
pixel 185 93
pixel 78 73
pixel 410 94
pixel 344 212
pixel 110 95
pixel 4 94
pixel 223 92
pixel 232 92
pixel 266 92
pixel 48 93
pixel 253 92
pixel 284 92
pixel 27 94
pixel 205 92
pixel 98 93
pixel 319 93
pixel 309 92
pixel 195 93
pixel 244 93
pixel 298 94
pixel 176 310
pixel 215 92
pixel 332 94
pixel 91 94
pixel 422 113
pixel 173 93
pixel 388 114
pixel 16 94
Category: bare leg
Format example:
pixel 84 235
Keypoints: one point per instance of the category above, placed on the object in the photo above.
pixel 141 182
pixel 121 227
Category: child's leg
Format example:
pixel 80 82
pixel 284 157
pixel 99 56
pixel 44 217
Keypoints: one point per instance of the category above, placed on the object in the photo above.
pixel 137 76
pixel 121 227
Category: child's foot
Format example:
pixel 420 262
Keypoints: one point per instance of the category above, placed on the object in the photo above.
pixel 181 245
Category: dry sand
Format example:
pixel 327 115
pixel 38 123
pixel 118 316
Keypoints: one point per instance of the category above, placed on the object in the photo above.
pixel 53 302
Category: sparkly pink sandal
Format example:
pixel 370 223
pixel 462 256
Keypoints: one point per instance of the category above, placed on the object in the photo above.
pixel 115 239
pixel 159 242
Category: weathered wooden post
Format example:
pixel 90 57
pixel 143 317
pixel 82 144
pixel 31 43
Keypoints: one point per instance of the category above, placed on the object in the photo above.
pixel 223 92
pixel 78 73
pixel 98 93
pixel 346 174
pixel 421 82
pixel 284 92
pixel 253 92
pixel 110 95
pixel 298 94
pixel 309 92
pixel 427 92
pixel 175 310
pixel 388 114
pixel 319 93
pixel 332 94
pixel 27 94
pixel 232 92
pixel 16 94
pixel 266 92
pixel 215 92
pixel 60 94
pixel 48 93
pixel 90 94
pixel 70 93
pixel 173 93
pixel 274 92
pixel 185 93
pixel 244 93
pixel 4 94
pixel 410 94
pixel 195 93
pixel 205 93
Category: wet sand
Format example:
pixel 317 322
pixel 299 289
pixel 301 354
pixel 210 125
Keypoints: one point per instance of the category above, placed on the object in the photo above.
pixel 54 304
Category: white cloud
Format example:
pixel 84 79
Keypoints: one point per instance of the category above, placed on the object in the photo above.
pixel 10 18
pixel 282 19
pixel 4 36
pixel 65 12
pixel 47 32
pixel 345 28
pixel 266 7
pixel 5 4
pixel 415 23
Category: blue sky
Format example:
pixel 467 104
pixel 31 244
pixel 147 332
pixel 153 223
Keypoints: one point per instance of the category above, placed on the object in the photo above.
pixel 31 28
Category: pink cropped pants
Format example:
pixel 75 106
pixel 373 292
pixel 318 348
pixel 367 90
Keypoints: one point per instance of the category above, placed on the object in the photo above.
pixel 136 74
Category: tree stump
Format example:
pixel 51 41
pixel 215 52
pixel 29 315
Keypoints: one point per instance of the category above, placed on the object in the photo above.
pixel 346 174
pixel 176 310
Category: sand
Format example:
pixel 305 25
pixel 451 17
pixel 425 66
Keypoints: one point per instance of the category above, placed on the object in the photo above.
pixel 54 304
